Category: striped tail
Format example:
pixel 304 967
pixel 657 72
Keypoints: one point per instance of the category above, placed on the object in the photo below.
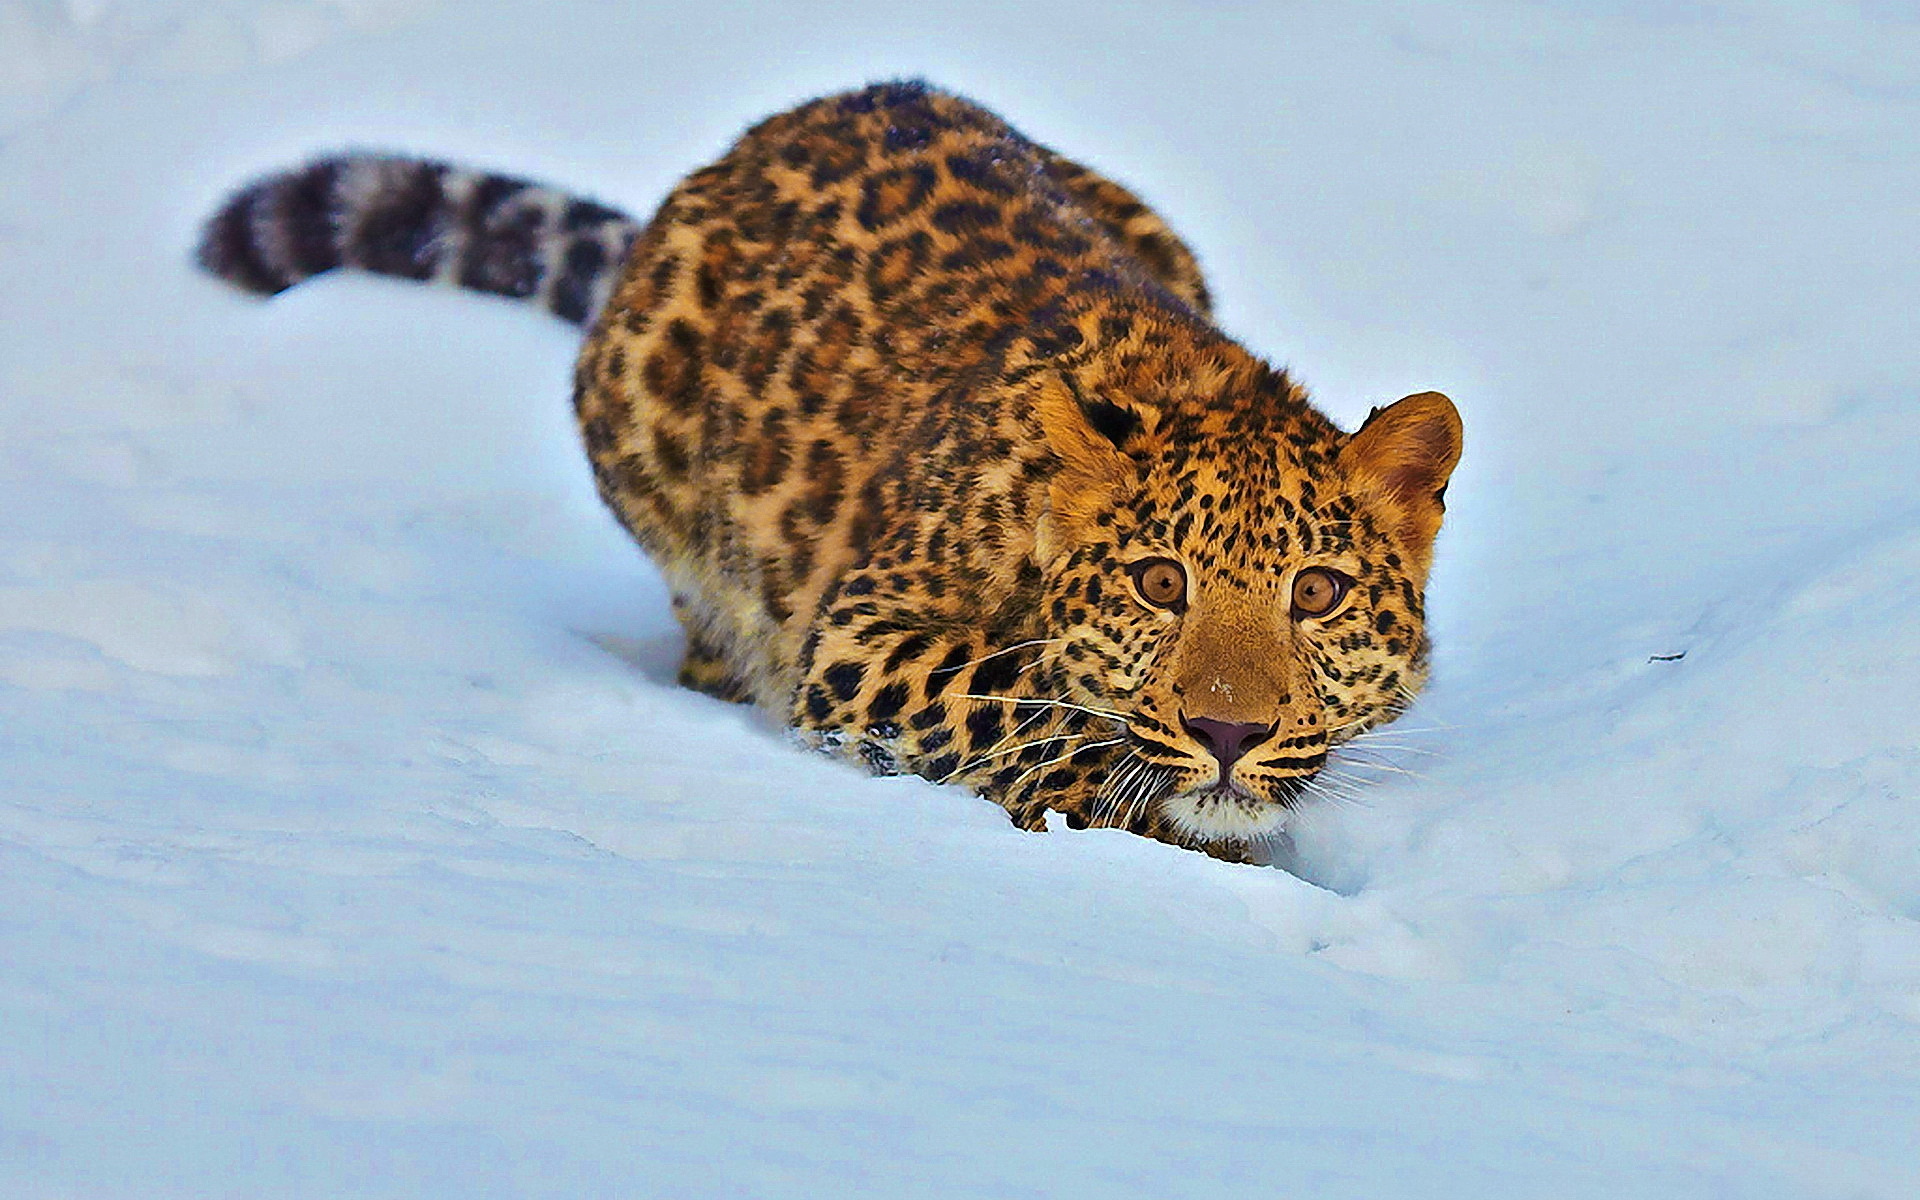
pixel 421 220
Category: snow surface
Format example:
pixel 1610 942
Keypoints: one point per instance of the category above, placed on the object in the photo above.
pixel 354 841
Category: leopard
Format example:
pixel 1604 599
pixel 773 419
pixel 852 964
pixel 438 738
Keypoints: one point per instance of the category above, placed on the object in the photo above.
pixel 944 460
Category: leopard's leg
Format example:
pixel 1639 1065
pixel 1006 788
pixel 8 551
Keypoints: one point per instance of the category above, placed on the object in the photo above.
pixel 703 667
pixel 1128 219
pixel 703 670
pixel 981 711
pixel 882 684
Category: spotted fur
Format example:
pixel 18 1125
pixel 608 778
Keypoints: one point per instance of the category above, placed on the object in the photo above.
pixel 896 399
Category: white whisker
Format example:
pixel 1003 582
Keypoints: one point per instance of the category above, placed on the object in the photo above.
pixel 1019 779
pixel 974 662
pixel 990 755
pixel 1067 704
pixel 1364 765
pixel 1015 732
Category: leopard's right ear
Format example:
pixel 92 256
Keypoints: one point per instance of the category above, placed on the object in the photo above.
pixel 1093 435
pixel 1401 460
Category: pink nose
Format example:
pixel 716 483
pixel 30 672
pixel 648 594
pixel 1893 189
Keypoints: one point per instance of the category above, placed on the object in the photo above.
pixel 1228 740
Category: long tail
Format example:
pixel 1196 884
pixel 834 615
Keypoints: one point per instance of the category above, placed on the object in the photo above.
pixel 421 220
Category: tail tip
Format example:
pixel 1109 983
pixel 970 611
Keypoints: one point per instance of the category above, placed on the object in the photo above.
pixel 276 231
pixel 229 246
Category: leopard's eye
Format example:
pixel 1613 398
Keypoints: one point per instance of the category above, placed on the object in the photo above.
pixel 1161 582
pixel 1317 590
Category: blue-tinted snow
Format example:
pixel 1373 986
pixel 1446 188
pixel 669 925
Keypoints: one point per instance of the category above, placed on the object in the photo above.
pixel 354 842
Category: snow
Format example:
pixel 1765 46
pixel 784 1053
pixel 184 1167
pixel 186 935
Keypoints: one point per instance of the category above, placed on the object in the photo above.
pixel 354 840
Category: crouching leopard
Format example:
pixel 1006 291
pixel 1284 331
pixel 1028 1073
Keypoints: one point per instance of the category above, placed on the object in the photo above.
pixel 947 468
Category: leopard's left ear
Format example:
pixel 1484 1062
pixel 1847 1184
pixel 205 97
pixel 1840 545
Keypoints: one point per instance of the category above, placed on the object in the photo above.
pixel 1094 435
pixel 1402 458
pixel 1099 442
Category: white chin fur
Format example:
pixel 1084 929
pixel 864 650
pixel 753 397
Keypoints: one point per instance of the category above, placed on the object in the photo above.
pixel 1211 816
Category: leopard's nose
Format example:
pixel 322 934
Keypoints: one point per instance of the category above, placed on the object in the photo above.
pixel 1227 739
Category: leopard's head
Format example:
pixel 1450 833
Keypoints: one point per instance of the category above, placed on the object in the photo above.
pixel 1232 577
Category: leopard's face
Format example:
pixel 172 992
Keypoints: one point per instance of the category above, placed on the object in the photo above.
pixel 1237 606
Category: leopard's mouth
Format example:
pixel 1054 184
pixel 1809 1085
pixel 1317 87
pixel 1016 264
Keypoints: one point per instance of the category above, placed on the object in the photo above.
pixel 1225 790
pixel 1225 810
